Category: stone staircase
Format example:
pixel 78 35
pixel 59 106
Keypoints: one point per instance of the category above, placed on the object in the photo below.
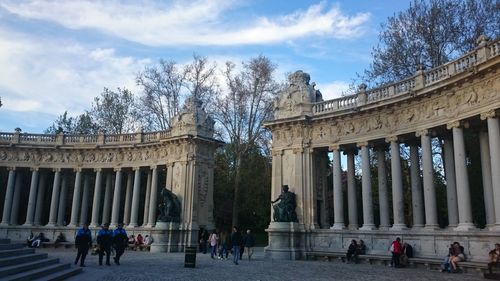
pixel 20 263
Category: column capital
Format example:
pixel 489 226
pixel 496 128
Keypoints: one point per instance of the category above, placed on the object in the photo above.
pixel 298 150
pixel 119 169
pixel 169 164
pixel 391 139
pixel 11 169
pixel 138 168
pixel 57 170
pixel 78 169
pixel 489 114
pixel 362 144
pixel 97 170
pixel 34 169
pixel 152 167
pixel 424 132
pixel 333 147
pixel 454 124
pixel 277 152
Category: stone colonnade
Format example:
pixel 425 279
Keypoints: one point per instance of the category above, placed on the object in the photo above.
pixel 56 183
pixel 443 105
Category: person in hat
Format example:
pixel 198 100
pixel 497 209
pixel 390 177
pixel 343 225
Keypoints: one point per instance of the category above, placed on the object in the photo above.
pixel 120 241
pixel 104 240
pixel 83 241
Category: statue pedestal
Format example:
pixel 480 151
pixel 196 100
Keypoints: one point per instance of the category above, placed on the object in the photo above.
pixel 166 238
pixel 286 241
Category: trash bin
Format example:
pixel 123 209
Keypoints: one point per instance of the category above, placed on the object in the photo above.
pixel 190 259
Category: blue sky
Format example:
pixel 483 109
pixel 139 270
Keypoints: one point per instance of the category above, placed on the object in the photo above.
pixel 59 55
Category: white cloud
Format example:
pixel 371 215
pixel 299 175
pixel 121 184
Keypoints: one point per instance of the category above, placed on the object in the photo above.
pixel 194 23
pixel 333 90
pixel 53 76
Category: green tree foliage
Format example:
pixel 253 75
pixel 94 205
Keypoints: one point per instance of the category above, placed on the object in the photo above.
pixel 82 124
pixel 428 34
pixel 113 111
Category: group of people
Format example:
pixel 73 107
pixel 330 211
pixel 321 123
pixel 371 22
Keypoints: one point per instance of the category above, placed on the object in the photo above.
pixel 36 241
pixel 106 239
pixel 354 250
pixel 400 253
pixel 220 244
pixel 139 242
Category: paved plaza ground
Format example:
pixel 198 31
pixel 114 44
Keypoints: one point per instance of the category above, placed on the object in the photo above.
pixel 163 266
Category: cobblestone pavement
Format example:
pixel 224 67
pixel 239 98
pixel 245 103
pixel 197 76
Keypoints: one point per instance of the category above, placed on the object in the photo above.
pixel 163 266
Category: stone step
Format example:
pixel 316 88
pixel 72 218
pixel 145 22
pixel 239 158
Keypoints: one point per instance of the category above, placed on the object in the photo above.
pixel 11 246
pixel 21 259
pixel 16 252
pixel 4 241
pixel 62 275
pixel 38 272
pixel 18 268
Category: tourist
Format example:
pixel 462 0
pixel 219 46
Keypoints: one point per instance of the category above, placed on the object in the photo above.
pixel 457 255
pixel 37 242
pixel 494 258
pixel 131 242
pixel 406 253
pixel 83 242
pixel 236 240
pixel 249 243
pixel 30 239
pixel 60 238
pixel 223 245
pixel 352 252
pixel 139 241
pixel 203 241
pixel 148 240
pixel 396 251
pixel 446 267
pixel 120 242
pixel 213 239
pixel 361 248
pixel 104 240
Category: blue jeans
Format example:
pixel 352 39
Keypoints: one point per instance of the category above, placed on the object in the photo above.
pixel 213 251
pixel 236 253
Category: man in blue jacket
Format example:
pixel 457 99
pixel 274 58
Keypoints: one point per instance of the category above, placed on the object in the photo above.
pixel 83 241
pixel 120 240
pixel 104 240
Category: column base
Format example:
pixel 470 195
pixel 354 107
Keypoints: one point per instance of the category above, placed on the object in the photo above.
pixel 417 226
pixel 368 227
pixel 72 225
pixel 398 227
pixel 495 227
pixel 51 224
pixel 27 225
pixel 431 227
pixel 353 227
pixel 338 226
pixel 384 227
pixel 465 227
pixel 132 225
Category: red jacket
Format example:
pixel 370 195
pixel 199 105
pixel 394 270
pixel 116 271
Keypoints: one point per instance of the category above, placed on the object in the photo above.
pixel 396 247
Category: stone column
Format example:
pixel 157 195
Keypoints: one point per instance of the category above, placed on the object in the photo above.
pixel 431 222
pixel 398 206
pixel 489 206
pixel 61 216
pixel 146 199
pixel 96 205
pixel 451 186
pixel 115 216
pixel 54 202
pixel 39 210
pixel 77 192
pixel 368 223
pixel 30 213
pixel 463 192
pixel 352 199
pixel 135 198
pixel 7 205
pixel 85 201
pixel 338 197
pixel 153 198
pixel 107 199
pixel 494 141
pixel 383 197
pixel 128 199
pixel 417 199
pixel 15 202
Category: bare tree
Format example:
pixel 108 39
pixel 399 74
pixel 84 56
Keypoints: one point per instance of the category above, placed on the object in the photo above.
pixel 241 112
pixel 200 79
pixel 161 97
pixel 428 34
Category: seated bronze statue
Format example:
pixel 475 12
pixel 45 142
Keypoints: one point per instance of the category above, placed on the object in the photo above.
pixel 284 211
pixel 170 208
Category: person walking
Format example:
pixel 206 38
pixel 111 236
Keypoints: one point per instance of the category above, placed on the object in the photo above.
pixel 249 243
pixel 104 240
pixel 83 242
pixel 213 240
pixel 236 240
pixel 120 241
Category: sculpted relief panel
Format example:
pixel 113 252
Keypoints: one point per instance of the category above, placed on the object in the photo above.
pixel 417 113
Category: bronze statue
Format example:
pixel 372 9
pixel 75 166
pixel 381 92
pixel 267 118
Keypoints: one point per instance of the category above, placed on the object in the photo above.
pixel 284 211
pixel 170 208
